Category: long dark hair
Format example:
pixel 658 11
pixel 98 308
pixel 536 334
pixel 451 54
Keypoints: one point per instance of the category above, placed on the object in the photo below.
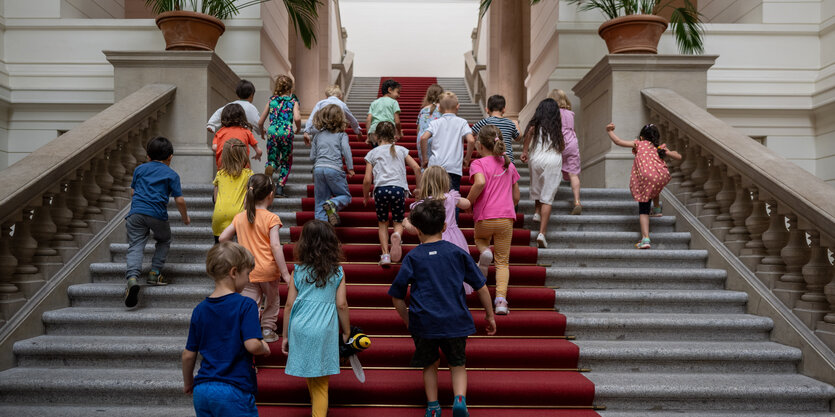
pixel 651 134
pixel 258 188
pixel 319 249
pixel 547 118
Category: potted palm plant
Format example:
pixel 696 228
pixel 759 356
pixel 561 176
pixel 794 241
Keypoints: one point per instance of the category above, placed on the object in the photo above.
pixel 635 26
pixel 197 24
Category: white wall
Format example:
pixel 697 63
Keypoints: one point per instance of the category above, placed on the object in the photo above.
pixel 408 38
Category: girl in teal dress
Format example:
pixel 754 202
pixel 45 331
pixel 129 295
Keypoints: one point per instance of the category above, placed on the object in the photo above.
pixel 283 111
pixel 316 299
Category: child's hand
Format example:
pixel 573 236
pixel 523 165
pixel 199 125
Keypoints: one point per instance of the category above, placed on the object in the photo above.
pixel 187 220
pixel 524 157
pixel 359 136
pixel 257 156
pixel 610 127
pixel 285 346
pixel 285 276
pixel 266 348
pixel 467 162
pixel 306 139
pixel 365 201
pixel 187 388
pixel 351 173
pixel 491 325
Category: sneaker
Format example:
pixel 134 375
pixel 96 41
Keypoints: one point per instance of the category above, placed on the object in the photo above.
pixel 385 260
pixel 459 407
pixel 270 335
pixel 330 210
pixel 578 209
pixel 656 211
pixel 396 251
pixel 501 306
pixel 433 411
pixel 643 244
pixel 131 292
pixel 155 278
pixel 540 241
pixel 484 261
pixel 279 191
pixel 536 217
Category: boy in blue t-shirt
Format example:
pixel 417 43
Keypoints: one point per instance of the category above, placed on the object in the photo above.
pixel 225 329
pixel 438 317
pixel 153 183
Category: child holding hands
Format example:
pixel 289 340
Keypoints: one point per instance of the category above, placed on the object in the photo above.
pixel 224 329
pixel 437 316
pixel 649 172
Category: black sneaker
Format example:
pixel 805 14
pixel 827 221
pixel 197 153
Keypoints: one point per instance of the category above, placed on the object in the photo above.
pixel 131 293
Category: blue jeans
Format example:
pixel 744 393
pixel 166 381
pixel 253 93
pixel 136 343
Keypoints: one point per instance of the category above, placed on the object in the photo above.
pixel 219 399
pixel 329 184
pixel 138 228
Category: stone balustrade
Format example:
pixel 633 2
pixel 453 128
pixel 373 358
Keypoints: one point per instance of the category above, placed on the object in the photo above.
pixel 776 217
pixel 56 199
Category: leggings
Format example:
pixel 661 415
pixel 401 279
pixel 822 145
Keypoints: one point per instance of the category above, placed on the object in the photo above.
pixel 501 231
pixel 318 388
pixel 280 155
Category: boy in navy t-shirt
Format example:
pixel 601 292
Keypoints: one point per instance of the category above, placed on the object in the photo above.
pixel 225 329
pixel 438 317
pixel 153 182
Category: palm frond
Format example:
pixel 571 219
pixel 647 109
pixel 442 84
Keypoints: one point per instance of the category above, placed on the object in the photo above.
pixel 687 27
pixel 610 8
pixel 304 16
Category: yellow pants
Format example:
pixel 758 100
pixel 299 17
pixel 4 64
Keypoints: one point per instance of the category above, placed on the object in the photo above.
pixel 318 388
pixel 501 232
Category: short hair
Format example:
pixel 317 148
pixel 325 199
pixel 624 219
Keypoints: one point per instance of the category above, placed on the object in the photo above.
pixel 225 256
pixel 496 103
pixel 333 90
pixel 429 217
pixel 388 85
pixel 245 89
pixel 449 101
pixel 159 148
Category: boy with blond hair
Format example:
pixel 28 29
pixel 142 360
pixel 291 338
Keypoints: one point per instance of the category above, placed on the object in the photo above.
pixel 447 148
pixel 334 96
pixel 226 331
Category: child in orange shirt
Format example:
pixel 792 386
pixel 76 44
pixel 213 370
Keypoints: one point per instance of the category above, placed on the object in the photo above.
pixel 257 230
pixel 233 120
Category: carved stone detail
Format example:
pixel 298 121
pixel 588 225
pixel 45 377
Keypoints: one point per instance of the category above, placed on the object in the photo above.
pixel 813 306
pixel 795 254
pixel 711 188
pixel 739 210
pixel 772 267
pixel 26 276
pixel 696 200
pixel 756 223
pixel 724 198
pixel 11 299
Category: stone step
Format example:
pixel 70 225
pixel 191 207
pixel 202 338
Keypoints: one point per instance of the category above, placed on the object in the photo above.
pixel 671 278
pixel 616 240
pixel 114 352
pixel 569 301
pixel 193 273
pixel 203 234
pixel 687 357
pixel 678 327
pixel 601 258
pixel 116 321
pixel 695 392
pixel 99 295
pixel 602 223
pixel 66 410
pixel 203 218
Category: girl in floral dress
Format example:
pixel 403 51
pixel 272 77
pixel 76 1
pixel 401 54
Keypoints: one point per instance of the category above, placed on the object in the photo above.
pixel 649 172
pixel 283 110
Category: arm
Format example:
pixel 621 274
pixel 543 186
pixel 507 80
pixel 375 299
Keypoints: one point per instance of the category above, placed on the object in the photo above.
pixel 214 194
pixel 297 117
pixel 516 194
pixel 355 126
pixel 367 183
pixel 227 233
pixel 342 310
pixel 263 119
pixel 214 121
pixel 278 253
pixel 189 358
pixel 254 145
pixel 415 167
pixel 526 144
pixel 346 153
pixel 181 207
pixel 672 154
pixel 403 311
pixel 257 347
pixel 487 303
pixel 424 148
pixel 477 188
pixel 610 129
pixel 397 126
pixel 468 156
pixel 518 137
pixel 463 203
pixel 292 292
pixel 409 227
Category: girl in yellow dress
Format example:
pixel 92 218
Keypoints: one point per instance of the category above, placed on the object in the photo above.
pixel 230 185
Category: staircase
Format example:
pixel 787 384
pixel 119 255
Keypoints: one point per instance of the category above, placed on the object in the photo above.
pixel 654 332
pixel 364 90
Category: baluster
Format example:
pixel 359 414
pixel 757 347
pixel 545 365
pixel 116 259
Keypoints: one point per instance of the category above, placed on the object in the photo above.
pixel 772 266
pixel 712 187
pixel 92 192
pixel 105 182
pixel 825 329
pixel 138 148
pixel 129 161
pixel 699 177
pixel 812 306
pixel 676 176
pixel 739 210
pixel 688 165
pixel 756 223
pixel 117 171
pixel 795 254
pixel 27 276
pixel 43 229
pixel 11 299
pixel 78 204
pixel 724 198
pixel 62 240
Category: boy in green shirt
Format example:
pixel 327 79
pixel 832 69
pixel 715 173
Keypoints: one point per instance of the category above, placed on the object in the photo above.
pixel 384 108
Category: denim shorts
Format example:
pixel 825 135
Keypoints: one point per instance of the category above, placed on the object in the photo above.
pixel 219 399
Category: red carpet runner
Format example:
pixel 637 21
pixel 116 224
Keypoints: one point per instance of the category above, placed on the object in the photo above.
pixel 528 369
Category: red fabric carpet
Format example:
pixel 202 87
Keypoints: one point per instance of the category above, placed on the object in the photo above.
pixel 528 369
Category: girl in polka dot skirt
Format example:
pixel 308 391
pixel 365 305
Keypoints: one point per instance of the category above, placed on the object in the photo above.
pixel 649 172
pixel 386 171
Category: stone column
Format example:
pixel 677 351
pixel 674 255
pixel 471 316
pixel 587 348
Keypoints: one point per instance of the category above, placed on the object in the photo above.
pixel 204 83
pixel 312 67
pixel 508 52
pixel 611 92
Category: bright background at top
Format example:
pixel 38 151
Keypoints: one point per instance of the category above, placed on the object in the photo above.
pixel 409 38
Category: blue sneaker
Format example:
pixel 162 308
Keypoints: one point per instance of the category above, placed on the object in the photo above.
pixel 433 411
pixel 459 407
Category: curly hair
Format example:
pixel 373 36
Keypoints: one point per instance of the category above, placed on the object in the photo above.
pixel 233 115
pixel 319 249
pixel 330 118
pixel 283 86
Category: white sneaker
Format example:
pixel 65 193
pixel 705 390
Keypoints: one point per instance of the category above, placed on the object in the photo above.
pixel 385 260
pixel 540 241
pixel 270 335
pixel 536 217
pixel 501 306
pixel 484 261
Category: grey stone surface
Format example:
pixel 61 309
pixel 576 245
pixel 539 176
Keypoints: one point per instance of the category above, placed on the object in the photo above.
pixel 649 301
pixel 636 278
pixel 622 258
pixel 668 326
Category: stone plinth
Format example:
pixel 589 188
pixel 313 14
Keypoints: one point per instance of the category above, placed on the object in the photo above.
pixel 204 83
pixel 611 92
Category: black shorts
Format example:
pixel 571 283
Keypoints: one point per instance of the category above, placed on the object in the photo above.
pixel 390 198
pixel 644 207
pixel 426 351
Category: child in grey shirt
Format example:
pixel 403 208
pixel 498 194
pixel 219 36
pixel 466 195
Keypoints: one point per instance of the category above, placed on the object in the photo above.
pixel 330 146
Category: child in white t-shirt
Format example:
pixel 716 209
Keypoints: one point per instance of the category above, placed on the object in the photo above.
pixel 447 134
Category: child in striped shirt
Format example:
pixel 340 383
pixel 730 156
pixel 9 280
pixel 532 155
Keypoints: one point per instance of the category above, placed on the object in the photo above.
pixel 495 108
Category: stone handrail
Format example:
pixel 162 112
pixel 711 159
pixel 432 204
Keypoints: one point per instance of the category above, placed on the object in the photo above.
pixel 474 74
pixel 56 198
pixel 745 194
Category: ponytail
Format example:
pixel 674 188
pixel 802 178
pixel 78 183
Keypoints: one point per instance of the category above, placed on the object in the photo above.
pixel 392 151
pixel 258 188
pixel 385 133
pixel 490 137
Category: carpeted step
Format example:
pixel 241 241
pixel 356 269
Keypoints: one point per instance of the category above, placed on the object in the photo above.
pixel 371 253
pixel 369 234
pixel 369 218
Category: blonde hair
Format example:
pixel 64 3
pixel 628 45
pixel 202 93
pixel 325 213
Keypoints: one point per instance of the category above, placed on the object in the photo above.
pixel 561 98
pixel 386 132
pixel 330 118
pixel 434 183
pixel 283 86
pixel 490 137
pixel 449 102
pixel 333 90
pixel 233 158
pixel 225 256
pixel 432 97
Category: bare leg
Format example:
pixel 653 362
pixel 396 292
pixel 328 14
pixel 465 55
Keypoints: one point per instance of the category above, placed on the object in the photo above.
pixel 545 214
pixel 430 381
pixel 536 206
pixel 459 380
pixel 643 219
pixel 575 187
pixel 398 228
pixel 383 234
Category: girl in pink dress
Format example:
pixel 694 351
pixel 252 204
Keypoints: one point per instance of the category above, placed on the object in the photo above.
pixel 571 153
pixel 649 172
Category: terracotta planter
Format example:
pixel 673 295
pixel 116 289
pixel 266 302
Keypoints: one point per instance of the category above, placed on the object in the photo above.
pixel 633 34
pixel 189 31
